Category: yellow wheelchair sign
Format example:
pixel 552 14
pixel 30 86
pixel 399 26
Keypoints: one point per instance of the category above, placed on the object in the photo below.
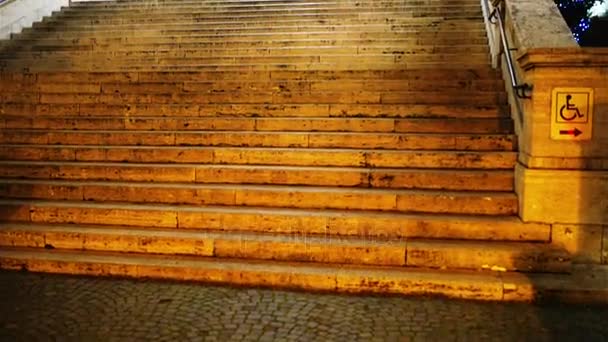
pixel 572 113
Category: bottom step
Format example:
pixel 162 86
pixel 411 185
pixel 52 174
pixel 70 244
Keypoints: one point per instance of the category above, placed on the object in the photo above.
pixel 359 250
pixel 321 277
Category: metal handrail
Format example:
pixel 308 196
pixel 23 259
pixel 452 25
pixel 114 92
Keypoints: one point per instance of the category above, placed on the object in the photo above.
pixel 521 89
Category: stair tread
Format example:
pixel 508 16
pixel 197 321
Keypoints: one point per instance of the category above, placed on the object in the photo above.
pixel 323 277
pixel 262 133
pixel 276 187
pixel 271 237
pixel 454 218
pixel 292 149
pixel 446 171
pixel 234 264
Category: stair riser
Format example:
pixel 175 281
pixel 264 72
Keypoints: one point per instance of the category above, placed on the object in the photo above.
pixel 299 249
pixel 424 13
pixel 266 139
pixel 151 43
pixel 197 35
pixel 244 86
pixel 467 126
pixel 302 111
pixel 532 258
pixel 485 74
pixel 371 225
pixel 60 24
pixel 108 60
pixel 350 200
pixel 235 156
pixel 221 6
pixel 246 67
pixel 317 23
pixel 303 47
pixel 77 6
pixel 247 97
pixel 484 288
pixel 204 54
pixel 391 179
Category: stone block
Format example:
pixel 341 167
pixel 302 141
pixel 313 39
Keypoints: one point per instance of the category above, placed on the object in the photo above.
pixel 583 242
pixel 562 196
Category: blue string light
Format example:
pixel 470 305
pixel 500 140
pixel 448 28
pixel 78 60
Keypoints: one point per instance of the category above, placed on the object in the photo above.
pixel 577 15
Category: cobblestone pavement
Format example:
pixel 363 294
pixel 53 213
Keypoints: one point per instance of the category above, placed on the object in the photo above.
pixel 38 307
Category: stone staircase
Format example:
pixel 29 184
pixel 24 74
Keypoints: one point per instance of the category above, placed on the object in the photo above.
pixel 330 145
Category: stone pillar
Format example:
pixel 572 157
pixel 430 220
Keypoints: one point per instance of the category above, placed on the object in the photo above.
pixel 572 174
pixel 560 182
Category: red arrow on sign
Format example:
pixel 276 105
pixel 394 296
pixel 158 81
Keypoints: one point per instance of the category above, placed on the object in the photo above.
pixel 576 132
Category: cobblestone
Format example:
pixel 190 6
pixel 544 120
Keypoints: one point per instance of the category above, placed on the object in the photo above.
pixel 39 307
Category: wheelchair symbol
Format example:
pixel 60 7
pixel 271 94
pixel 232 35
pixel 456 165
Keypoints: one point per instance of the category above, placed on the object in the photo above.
pixel 569 112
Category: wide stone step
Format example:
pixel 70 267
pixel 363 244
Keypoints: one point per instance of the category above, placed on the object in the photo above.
pixel 454 97
pixel 424 12
pixel 198 34
pixel 66 66
pixel 325 277
pixel 98 77
pixel 430 53
pixel 361 40
pixel 263 156
pixel 154 123
pixel 389 141
pixel 80 7
pixel 57 23
pixel 527 257
pixel 474 180
pixel 277 220
pixel 267 47
pixel 316 22
pixel 218 86
pixel 416 201
pixel 132 3
pixel 245 110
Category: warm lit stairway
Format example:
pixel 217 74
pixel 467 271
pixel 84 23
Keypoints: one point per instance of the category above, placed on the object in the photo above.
pixel 333 145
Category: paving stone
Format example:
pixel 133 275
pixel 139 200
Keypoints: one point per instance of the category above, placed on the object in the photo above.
pixel 65 308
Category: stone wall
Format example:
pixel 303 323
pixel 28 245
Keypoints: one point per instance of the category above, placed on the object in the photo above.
pixel 560 182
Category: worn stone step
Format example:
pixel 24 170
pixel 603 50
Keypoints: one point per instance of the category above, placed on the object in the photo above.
pixel 389 141
pixel 78 5
pixel 336 278
pixel 246 110
pixel 66 66
pixel 315 124
pixel 261 7
pixel 200 34
pixel 482 73
pixel 454 97
pixel 272 51
pixel 266 47
pixel 185 59
pixel 526 257
pixel 403 11
pixel 274 86
pixel 277 220
pixel 193 37
pixel 57 23
pixel 475 180
pixel 337 39
pixel 164 24
pixel 263 156
pixel 427 201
